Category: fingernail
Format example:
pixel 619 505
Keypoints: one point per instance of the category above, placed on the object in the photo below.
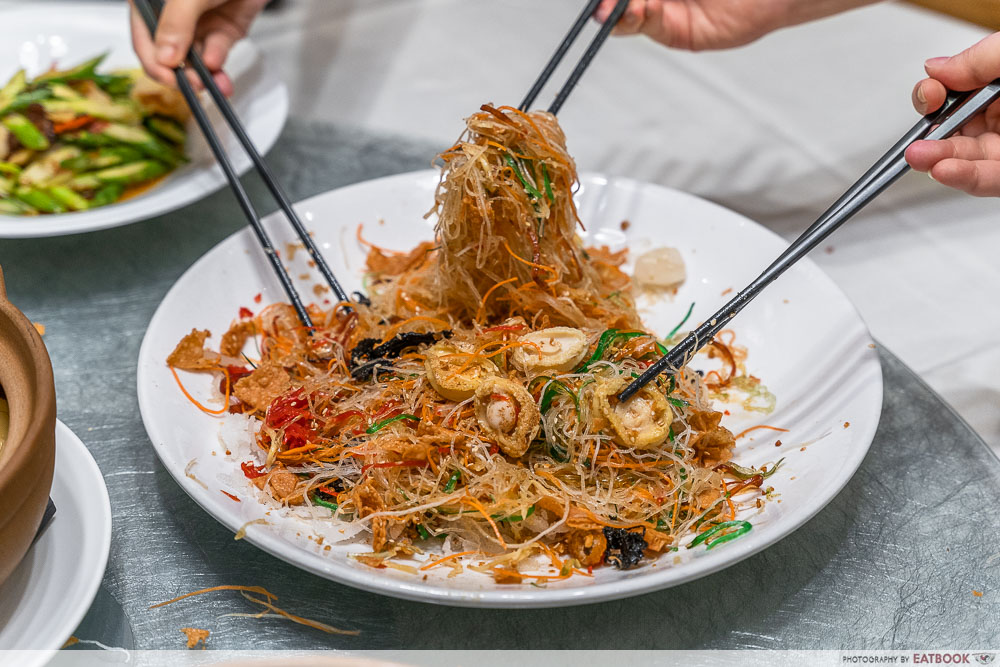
pixel 920 95
pixel 165 53
pixel 934 62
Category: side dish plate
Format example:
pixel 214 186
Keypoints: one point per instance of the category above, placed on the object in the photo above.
pixel 33 35
pixel 806 342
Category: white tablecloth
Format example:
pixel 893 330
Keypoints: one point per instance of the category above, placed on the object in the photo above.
pixel 775 130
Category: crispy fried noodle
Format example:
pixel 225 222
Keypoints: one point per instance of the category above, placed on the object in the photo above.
pixel 469 408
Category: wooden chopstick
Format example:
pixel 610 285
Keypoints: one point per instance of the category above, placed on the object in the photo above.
pixel 959 110
pixel 585 59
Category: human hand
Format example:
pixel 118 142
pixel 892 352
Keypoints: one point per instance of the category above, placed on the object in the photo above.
pixel 969 161
pixel 213 25
pixel 698 25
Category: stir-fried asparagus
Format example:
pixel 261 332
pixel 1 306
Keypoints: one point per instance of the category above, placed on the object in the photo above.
pixel 76 139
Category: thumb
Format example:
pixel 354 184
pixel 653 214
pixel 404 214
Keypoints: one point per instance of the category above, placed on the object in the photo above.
pixel 176 29
pixel 973 68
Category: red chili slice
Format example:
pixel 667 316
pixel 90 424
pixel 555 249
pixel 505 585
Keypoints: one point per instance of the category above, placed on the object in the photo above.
pixel 251 471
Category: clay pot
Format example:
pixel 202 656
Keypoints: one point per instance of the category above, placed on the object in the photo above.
pixel 28 457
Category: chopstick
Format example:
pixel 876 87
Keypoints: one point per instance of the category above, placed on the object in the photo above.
pixel 272 183
pixel 557 57
pixel 585 59
pixel 959 109
pixel 150 17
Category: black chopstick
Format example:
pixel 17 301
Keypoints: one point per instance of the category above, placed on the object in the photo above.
pixel 557 57
pixel 263 169
pixel 150 19
pixel 588 55
pixel 583 63
pixel 961 108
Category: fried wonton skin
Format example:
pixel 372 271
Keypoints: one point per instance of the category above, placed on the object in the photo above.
pixel 190 353
pixel 266 383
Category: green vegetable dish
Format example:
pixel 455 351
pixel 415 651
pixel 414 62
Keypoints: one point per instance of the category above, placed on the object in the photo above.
pixel 75 139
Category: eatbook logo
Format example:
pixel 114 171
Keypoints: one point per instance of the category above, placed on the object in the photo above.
pixel 985 658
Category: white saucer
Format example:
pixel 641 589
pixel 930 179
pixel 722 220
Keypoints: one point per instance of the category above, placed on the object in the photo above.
pixel 50 591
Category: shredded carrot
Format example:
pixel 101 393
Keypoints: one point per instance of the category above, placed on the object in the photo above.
pixel 532 264
pixel 480 353
pixel 226 493
pixel 486 515
pixel 482 306
pixel 546 577
pixel 508 150
pixel 329 629
pixel 199 405
pixel 369 244
pixel 447 558
pixel 73 124
pixel 754 428
pixel 253 589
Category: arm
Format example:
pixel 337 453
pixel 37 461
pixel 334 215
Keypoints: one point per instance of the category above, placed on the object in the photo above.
pixel 717 24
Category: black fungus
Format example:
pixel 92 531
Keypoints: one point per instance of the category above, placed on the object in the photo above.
pixel 368 354
pixel 36 114
pixel 624 548
pixel 367 369
pixel 336 484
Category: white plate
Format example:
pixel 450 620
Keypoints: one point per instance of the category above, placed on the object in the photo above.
pixel 806 342
pixel 46 597
pixel 34 34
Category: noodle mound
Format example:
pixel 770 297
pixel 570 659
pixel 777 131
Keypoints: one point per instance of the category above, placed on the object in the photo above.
pixel 470 406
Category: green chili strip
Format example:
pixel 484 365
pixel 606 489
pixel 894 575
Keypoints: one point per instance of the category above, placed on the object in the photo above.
pixel 677 402
pixel 729 536
pixel 529 188
pixel 555 387
pixel 681 323
pixel 514 518
pixel 741 473
pixel 323 503
pixel 423 531
pixel 607 339
pixel 452 481
pixel 742 527
pixel 541 379
pixel 548 183
pixel 377 426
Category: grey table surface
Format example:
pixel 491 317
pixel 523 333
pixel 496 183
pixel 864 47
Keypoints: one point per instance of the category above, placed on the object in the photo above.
pixel 891 563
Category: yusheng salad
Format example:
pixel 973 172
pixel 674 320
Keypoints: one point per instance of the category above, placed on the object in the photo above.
pixel 465 412
pixel 75 139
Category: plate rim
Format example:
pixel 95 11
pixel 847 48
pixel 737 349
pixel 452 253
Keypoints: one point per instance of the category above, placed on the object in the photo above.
pixel 514 598
pixel 208 180
pixel 72 453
